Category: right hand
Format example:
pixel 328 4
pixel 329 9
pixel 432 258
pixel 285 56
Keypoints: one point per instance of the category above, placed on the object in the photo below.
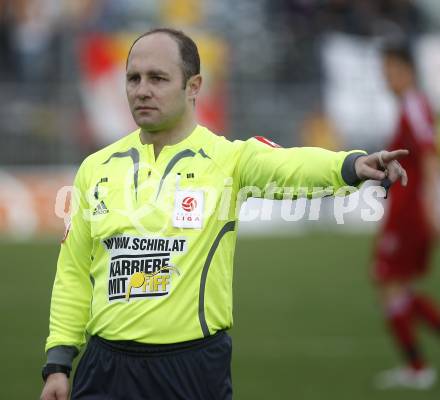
pixel 56 387
pixel 381 165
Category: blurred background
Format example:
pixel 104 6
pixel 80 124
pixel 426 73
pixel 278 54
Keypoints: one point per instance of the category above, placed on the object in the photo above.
pixel 301 72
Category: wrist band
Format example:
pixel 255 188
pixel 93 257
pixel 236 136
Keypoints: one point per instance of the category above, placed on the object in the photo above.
pixel 50 369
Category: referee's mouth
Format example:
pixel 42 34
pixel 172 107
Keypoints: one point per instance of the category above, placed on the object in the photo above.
pixel 145 108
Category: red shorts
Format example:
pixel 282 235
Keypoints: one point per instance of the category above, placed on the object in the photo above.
pixel 401 255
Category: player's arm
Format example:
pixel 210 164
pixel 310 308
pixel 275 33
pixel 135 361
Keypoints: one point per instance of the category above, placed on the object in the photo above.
pixel 421 123
pixel 430 193
pixel 313 169
pixel 72 289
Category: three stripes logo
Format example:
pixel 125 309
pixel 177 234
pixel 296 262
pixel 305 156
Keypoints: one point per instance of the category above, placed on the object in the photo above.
pixel 100 209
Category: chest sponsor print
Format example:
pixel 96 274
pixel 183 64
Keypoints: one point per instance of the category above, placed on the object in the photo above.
pixel 141 267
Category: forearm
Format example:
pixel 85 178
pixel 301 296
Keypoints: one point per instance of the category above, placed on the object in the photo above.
pixel 70 306
pixel 430 192
pixel 301 169
pixel 71 293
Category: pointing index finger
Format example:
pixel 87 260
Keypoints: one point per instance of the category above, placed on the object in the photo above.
pixel 389 156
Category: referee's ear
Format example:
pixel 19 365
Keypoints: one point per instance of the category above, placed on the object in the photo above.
pixel 193 86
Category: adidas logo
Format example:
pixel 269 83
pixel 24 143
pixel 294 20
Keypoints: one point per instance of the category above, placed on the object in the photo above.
pixel 100 209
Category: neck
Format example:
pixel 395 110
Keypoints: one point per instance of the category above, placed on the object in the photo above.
pixel 168 136
pixel 406 87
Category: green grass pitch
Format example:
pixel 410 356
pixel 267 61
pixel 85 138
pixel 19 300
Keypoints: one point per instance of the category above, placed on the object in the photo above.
pixel 307 324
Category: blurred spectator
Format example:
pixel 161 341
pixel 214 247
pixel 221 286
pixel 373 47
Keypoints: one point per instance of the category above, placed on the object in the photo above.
pixel 6 50
pixel 30 40
pixel 348 16
pixel 81 14
pixel 405 14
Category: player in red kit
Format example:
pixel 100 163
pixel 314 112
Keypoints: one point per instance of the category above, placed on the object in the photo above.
pixel 405 243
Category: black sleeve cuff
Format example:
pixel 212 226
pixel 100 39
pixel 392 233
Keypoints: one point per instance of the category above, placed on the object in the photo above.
pixel 62 355
pixel 348 170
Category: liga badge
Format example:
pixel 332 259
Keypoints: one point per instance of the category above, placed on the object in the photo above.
pixel 188 209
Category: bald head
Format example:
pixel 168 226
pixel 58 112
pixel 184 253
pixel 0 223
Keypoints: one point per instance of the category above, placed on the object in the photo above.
pixel 156 52
pixel 188 55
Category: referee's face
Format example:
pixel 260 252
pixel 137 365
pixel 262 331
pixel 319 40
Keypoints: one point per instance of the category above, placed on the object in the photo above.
pixel 154 83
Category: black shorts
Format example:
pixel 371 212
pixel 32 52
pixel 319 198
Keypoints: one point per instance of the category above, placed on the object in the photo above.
pixel 122 370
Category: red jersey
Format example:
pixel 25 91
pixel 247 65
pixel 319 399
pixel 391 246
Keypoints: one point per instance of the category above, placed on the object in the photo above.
pixel 416 133
pixel 404 245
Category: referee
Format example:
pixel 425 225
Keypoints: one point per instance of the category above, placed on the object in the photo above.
pixel 145 270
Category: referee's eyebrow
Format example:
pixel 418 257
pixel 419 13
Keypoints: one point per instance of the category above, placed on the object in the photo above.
pixel 157 72
pixel 150 72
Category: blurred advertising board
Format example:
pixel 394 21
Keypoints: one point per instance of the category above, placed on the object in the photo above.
pixel 34 203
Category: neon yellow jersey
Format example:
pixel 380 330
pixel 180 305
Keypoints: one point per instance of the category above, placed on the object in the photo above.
pixel 149 256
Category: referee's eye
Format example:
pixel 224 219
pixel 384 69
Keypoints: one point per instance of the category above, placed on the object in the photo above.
pixel 133 78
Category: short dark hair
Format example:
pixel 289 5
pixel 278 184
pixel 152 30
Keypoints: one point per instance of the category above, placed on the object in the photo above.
pixel 189 53
pixel 399 50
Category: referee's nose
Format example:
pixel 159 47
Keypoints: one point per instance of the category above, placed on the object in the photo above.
pixel 144 89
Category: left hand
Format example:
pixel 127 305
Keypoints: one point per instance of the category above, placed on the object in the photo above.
pixel 381 165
